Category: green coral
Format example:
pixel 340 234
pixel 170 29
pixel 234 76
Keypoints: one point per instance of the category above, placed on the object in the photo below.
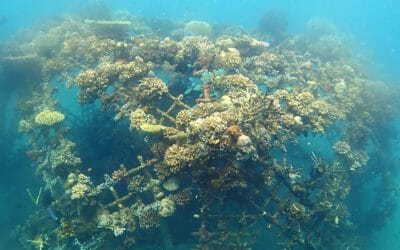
pixel 167 207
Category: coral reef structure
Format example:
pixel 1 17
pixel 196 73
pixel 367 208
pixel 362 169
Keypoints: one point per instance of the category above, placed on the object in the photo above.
pixel 203 134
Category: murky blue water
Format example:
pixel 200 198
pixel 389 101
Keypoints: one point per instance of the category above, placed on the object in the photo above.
pixel 370 27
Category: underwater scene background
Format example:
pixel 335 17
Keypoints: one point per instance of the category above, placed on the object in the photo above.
pixel 199 124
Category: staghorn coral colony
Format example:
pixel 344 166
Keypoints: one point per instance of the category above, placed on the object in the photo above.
pixel 202 133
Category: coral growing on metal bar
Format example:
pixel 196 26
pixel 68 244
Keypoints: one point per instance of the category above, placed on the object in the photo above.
pixel 217 158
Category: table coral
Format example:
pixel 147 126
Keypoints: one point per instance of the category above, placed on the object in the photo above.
pixel 49 118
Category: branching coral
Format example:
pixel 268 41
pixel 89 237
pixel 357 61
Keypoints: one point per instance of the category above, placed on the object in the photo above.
pixel 356 159
pixel 81 187
pixel 118 222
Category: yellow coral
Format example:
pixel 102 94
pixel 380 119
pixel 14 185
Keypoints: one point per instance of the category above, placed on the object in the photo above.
pixel 79 191
pixel 184 117
pixel 49 118
pixel 177 156
pixel 152 128
pixel 138 118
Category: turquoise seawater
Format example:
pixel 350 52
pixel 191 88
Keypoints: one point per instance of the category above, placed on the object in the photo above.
pixel 350 50
pixel 373 23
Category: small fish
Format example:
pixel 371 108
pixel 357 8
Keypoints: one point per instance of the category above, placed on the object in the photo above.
pixel 337 220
